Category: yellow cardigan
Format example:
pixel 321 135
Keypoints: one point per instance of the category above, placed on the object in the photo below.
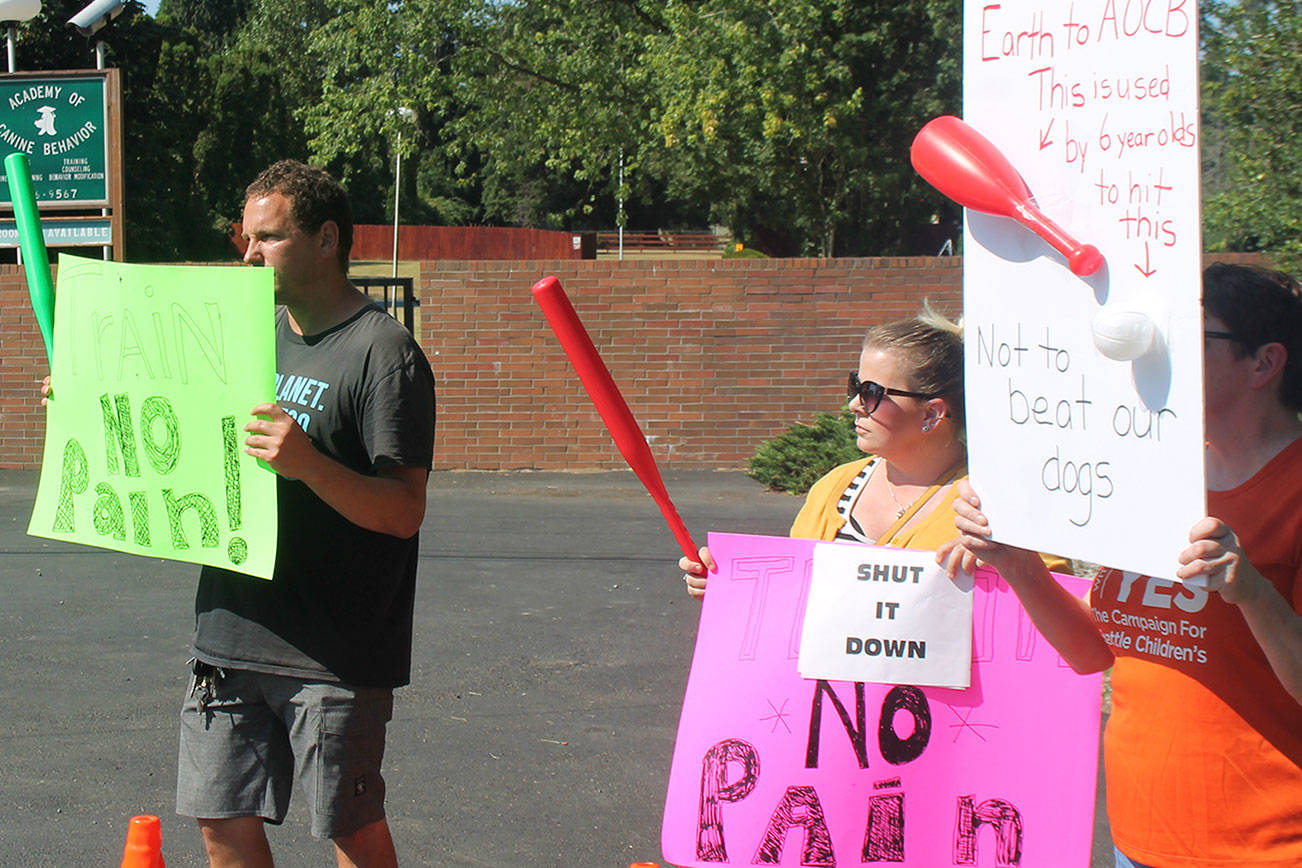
pixel 818 518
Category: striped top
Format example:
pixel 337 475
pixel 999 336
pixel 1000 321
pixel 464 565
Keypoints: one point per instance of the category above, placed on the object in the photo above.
pixel 851 530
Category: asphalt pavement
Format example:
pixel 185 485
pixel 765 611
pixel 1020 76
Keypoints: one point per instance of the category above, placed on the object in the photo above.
pixel 553 639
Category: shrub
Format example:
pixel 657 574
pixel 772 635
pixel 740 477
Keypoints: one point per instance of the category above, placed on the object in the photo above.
pixel 794 460
pixel 744 253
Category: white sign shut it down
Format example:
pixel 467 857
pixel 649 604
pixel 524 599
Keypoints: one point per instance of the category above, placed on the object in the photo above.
pixel 886 616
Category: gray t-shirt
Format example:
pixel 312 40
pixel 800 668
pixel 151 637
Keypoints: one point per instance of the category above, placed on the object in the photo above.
pixel 340 605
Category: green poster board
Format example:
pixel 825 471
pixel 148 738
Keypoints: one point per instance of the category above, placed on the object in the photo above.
pixel 155 371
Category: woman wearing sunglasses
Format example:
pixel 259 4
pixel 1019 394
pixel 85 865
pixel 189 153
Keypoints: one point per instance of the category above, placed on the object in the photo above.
pixel 1203 751
pixel 907 400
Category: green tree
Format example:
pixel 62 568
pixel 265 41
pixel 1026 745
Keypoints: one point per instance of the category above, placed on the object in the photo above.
pixel 384 88
pixel 795 116
pixel 229 81
pixel 217 18
pixel 788 120
pixel 47 42
pixel 557 97
pixel 1252 89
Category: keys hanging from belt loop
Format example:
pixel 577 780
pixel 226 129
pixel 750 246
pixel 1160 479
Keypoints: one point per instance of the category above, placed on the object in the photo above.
pixel 206 679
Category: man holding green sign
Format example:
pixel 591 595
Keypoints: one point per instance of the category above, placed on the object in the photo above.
pixel 308 661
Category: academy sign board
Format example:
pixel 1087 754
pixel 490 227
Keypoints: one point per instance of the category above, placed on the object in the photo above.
pixel 61 121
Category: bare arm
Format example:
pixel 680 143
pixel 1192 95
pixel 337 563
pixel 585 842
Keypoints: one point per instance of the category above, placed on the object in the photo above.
pixel 392 502
pixel 1063 619
pixel 1215 559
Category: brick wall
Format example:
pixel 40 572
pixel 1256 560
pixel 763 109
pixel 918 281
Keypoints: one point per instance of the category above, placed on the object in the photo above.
pixel 713 357
pixel 22 365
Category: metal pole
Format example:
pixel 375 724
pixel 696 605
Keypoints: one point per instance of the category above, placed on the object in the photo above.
pixel 13 60
pixel 620 218
pixel 106 252
pixel 397 182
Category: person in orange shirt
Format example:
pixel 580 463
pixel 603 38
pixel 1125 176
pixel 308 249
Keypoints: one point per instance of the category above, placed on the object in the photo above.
pixel 1203 749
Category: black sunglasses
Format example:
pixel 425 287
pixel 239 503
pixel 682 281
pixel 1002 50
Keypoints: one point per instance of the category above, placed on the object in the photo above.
pixel 870 394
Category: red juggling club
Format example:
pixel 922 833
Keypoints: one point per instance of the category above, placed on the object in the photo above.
pixel 964 165
pixel 614 411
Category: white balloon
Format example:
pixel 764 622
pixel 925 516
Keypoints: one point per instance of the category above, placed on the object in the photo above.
pixel 1122 335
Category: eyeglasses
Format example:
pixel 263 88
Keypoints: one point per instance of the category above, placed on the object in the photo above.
pixel 870 394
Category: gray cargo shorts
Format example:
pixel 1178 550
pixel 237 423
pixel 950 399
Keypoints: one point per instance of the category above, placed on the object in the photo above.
pixel 247 736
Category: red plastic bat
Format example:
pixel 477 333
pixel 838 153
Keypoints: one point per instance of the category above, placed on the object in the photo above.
pixel 614 411
pixel 964 165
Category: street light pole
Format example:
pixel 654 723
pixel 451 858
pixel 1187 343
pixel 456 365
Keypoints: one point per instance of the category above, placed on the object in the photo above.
pixel 397 187
pixel 404 114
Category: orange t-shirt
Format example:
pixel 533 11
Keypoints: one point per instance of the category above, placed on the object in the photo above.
pixel 1203 750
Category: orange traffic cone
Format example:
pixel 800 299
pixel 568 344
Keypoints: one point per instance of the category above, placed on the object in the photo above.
pixel 644 865
pixel 144 847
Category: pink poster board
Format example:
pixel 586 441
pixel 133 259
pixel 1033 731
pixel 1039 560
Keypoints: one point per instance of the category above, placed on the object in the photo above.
pixel 771 769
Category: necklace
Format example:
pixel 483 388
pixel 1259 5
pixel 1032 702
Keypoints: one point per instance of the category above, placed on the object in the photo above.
pixel 899 509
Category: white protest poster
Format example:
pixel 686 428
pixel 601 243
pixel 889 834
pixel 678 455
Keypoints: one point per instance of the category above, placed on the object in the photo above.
pixel 886 616
pixel 1087 455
